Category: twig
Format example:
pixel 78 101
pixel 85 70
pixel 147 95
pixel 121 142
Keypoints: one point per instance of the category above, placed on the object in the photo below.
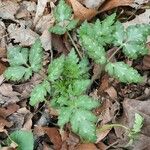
pixel 76 48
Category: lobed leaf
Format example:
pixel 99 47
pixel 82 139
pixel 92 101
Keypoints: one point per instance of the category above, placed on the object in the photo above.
pixel 15 73
pixel 123 72
pixel 83 123
pixel 24 139
pixel 86 102
pixel 17 56
pixel 56 68
pixel 38 94
pixel 62 11
pixel 36 56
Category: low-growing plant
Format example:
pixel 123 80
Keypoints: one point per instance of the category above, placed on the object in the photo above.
pixel 66 83
pixel 68 77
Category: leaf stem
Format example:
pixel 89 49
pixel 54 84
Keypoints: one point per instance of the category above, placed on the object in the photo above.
pixel 115 52
pixel 109 126
pixel 76 48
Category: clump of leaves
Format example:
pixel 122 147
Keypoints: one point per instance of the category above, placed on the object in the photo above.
pixel 132 41
pixel 63 19
pixel 23 139
pixel 66 83
pixel 23 62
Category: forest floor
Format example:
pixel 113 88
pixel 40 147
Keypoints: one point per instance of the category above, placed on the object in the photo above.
pixel 21 23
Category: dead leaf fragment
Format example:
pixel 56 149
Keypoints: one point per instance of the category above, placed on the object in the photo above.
pixel 110 4
pixel 8 9
pixel 2 68
pixel 80 12
pixel 40 9
pixel 54 136
pixel 111 92
pixel 93 4
pixel 5 112
pixel 23 35
pixel 89 146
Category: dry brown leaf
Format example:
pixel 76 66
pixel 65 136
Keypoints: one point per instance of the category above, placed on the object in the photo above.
pixel 2 68
pixel 146 62
pixel 92 4
pixel 101 146
pixel 54 136
pixel 7 95
pixel 27 9
pixel 39 11
pixel 8 8
pixel 110 4
pixel 111 92
pixel 4 122
pixel 101 135
pixel 2 39
pixel 80 12
pixel 88 146
pixel 7 111
pixel 23 35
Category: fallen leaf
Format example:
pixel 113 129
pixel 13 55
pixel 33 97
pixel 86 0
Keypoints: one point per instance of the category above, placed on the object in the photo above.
pixel 7 111
pixel 27 9
pixel 4 122
pixel 101 146
pixel 110 4
pixel 93 4
pixel 111 92
pixel 2 68
pixel 8 9
pixel 143 18
pixel 22 35
pixel 54 136
pixel 146 62
pixel 89 146
pixel 7 95
pixel 80 12
pixel 101 135
pixel 39 11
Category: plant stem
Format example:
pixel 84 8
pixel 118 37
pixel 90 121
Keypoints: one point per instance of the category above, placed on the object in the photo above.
pixel 76 48
pixel 109 126
pixel 114 52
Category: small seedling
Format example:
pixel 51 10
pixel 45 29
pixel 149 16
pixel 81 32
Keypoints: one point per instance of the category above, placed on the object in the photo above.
pixel 63 19
pixel 66 83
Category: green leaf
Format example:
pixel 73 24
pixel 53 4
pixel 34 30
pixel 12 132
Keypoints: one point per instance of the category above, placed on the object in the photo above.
pixel 57 29
pixel 132 40
pixel 55 69
pixel 62 11
pixel 17 56
pixel 15 73
pixel 135 130
pixel 86 102
pixel 83 123
pixel 71 25
pixel 38 94
pixel 71 68
pixel 133 50
pixel 119 34
pixel 84 68
pixel 123 72
pixel 80 86
pixel 64 116
pixel 36 56
pixel 94 50
pixel 24 139
pixel 138 123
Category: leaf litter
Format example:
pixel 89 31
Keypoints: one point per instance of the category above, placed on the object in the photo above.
pixel 22 22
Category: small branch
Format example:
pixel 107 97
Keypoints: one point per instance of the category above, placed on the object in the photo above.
pixel 76 48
